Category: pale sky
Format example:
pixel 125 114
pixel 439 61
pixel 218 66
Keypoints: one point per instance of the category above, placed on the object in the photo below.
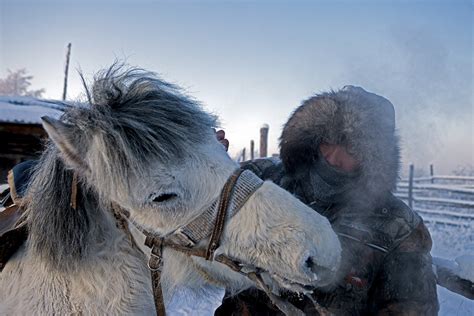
pixel 253 62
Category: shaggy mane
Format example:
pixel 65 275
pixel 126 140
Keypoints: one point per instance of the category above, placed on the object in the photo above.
pixel 59 234
pixel 135 118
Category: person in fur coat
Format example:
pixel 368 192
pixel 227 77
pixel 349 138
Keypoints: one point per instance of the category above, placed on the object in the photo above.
pixel 340 155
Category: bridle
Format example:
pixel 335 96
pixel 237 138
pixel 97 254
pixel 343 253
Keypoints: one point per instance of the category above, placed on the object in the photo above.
pixel 184 239
pixel 238 188
pixel 235 192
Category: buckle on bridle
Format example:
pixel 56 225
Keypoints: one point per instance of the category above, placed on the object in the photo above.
pixel 155 263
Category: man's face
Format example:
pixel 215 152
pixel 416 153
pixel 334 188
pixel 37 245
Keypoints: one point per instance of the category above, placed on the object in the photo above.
pixel 338 157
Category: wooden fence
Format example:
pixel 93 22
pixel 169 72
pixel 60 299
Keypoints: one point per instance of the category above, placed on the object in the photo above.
pixel 438 199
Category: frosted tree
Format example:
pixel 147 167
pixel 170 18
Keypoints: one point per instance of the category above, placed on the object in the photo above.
pixel 464 170
pixel 18 83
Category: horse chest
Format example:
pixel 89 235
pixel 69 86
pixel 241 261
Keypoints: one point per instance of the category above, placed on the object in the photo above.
pixel 112 283
pixel 117 286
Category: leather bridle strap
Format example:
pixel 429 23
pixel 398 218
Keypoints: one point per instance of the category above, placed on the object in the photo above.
pixel 74 188
pixel 155 265
pixel 224 201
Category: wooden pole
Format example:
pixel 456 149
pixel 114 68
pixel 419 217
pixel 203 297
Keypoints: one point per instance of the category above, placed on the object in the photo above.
pixel 432 172
pixel 243 155
pixel 410 186
pixel 252 149
pixel 66 70
pixel 264 140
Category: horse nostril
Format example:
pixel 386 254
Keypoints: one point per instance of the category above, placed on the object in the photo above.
pixel 309 263
pixel 319 270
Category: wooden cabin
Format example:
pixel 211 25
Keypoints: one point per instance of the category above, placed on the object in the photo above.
pixel 21 133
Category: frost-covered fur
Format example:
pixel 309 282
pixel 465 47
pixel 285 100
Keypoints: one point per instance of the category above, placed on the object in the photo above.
pixel 75 261
pixel 147 147
pixel 363 121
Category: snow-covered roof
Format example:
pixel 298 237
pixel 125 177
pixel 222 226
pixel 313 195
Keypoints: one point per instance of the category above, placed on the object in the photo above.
pixel 28 110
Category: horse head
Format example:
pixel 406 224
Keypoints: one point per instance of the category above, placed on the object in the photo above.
pixel 146 146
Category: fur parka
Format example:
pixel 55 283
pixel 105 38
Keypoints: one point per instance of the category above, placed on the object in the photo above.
pixel 386 262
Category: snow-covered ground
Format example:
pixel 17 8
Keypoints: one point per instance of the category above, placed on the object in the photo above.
pixel 447 207
pixel 450 242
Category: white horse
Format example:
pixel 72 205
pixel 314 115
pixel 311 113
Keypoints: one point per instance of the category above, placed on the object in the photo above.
pixel 146 147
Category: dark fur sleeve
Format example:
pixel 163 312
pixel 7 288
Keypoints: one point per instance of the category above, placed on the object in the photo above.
pixel 406 284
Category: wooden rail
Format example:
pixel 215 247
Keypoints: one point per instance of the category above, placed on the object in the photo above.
pixel 450 202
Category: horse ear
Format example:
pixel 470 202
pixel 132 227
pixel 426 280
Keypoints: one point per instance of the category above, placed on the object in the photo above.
pixel 65 137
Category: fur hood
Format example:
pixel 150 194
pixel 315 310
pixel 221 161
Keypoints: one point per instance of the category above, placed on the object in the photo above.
pixel 362 121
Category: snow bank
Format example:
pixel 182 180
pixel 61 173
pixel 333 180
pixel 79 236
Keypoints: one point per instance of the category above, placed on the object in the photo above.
pixel 454 242
pixel 466 267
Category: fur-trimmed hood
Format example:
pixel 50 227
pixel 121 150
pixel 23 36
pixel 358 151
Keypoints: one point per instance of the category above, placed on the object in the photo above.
pixel 362 121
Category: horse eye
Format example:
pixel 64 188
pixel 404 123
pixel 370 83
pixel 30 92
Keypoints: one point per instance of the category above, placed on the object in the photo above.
pixel 164 197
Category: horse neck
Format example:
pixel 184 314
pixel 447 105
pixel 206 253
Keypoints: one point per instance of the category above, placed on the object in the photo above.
pixel 63 236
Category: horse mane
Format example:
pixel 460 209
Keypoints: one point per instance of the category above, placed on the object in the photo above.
pixel 152 117
pixel 135 118
pixel 59 234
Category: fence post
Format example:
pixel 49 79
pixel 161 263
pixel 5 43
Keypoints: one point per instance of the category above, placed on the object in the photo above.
pixel 410 185
pixel 252 149
pixel 263 140
pixel 432 173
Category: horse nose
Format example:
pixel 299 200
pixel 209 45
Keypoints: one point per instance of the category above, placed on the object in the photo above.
pixel 321 272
